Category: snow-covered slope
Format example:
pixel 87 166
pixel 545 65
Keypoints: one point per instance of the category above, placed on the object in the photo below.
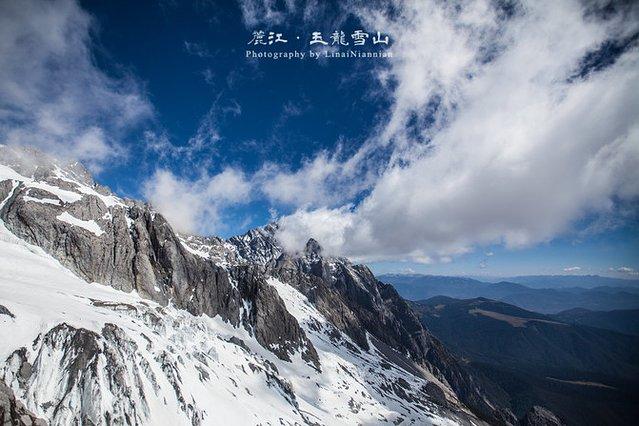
pixel 109 317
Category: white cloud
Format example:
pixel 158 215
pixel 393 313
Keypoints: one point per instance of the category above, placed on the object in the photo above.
pixel 436 46
pixel 270 13
pixel 197 49
pixel 196 205
pixel 572 269
pixel 52 96
pixel 256 12
pixel 518 152
pixel 314 183
pixel 331 224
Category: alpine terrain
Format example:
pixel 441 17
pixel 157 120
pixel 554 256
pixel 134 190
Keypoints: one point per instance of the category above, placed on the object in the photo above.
pixel 585 375
pixel 109 316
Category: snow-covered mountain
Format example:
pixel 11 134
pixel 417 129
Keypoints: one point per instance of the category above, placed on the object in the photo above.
pixel 108 316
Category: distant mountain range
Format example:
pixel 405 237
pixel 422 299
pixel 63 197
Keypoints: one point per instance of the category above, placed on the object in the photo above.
pixel 545 300
pixel 567 281
pixel 621 321
pixel 585 375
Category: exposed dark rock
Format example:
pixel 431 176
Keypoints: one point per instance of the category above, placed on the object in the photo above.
pixel 139 251
pixel 13 412
pixel 274 327
pixel 239 342
pixel 5 311
pixel 540 416
pixel 435 392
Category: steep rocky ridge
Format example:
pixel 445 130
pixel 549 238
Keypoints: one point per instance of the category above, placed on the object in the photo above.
pixel 361 306
pixel 124 244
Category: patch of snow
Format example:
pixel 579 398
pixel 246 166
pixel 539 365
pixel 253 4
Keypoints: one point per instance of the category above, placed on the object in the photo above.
pixel 108 200
pixel 42 200
pixel 89 225
pixel 351 385
pixel 193 250
pixel 62 194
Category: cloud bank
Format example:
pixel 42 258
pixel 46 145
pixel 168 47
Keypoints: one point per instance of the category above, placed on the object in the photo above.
pixel 508 125
pixel 500 132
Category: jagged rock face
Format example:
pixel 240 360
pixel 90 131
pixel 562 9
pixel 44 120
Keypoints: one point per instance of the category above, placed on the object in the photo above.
pixel 257 246
pixel 131 249
pixel 352 297
pixel 274 326
pixel 124 244
pixel 86 361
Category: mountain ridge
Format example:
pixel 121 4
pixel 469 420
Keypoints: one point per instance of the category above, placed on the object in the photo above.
pixel 621 321
pixel 544 300
pixel 248 282
pixel 579 372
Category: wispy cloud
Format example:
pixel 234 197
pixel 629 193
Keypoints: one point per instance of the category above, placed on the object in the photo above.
pixel 202 145
pixel 209 76
pixel 255 12
pixel 314 183
pixel 197 49
pixel 52 95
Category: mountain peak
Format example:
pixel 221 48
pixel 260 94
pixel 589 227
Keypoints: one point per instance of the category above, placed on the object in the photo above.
pixel 313 248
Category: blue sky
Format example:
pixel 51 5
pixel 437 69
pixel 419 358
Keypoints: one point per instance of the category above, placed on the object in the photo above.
pixel 191 60
pixel 498 140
